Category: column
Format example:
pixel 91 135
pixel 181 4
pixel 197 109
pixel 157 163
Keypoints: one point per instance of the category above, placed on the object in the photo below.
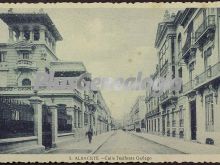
pixel 31 34
pixel 10 34
pixel 42 34
pixel 54 123
pixel 165 124
pixel 187 122
pixel 21 36
pixel 83 111
pixel 177 123
pixel 161 124
pixel 76 116
pixel 79 118
pixel 36 102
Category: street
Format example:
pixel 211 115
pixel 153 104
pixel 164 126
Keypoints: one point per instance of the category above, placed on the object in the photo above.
pixel 126 143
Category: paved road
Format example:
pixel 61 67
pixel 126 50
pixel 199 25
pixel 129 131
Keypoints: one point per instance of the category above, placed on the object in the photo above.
pixel 126 143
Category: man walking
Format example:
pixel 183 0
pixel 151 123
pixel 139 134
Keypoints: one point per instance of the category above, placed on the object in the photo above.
pixel 90 134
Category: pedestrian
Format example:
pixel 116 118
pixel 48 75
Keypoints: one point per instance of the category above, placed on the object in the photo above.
pixel 90 134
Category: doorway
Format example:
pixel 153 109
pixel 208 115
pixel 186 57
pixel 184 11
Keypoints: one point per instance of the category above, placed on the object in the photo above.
pixel 46 127
pixel 193 119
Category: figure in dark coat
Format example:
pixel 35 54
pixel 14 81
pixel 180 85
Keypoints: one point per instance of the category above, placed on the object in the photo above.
pixel 90 134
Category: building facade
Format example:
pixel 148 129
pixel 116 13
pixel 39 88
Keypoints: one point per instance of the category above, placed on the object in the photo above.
pixel 136 119
pixel 34 119
pixel 192 54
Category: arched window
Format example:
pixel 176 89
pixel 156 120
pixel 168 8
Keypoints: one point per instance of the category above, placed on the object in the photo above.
pixel 179 44
pixel 26 82
pixel 36 34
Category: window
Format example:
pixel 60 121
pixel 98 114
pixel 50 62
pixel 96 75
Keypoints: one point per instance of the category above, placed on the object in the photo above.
pixel 191 70
pixel 36 35
pixel 179 44
pixel 64 119
pixel 181 112
pixel 209 112
pixel 173 115
pixel 2 56
pixel 27 35
pixel 26 82
pixel 25 55
pixel 207 59
pixel 162 54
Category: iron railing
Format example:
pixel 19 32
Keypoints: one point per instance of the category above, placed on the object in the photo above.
pixel 208 22
pixel 210 73
pixel 187 46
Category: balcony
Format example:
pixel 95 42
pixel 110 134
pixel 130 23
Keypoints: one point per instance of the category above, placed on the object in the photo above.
pixel 168 97
pixel 188 49
pixel 206 30
pixel 211 74
pixel 188 87
pixel 26 64
pixel 153 112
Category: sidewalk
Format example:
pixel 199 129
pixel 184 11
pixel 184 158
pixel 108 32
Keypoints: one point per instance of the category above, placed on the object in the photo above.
pixel 83 146
pixel 180 145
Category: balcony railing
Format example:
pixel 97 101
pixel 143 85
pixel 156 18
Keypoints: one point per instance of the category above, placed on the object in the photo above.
pixel 25 64
pixel 29 88
pixel 188 86
pixel 168 95
pixel 153 112
pixel 210 74
pixel 208 23
pixel 187 46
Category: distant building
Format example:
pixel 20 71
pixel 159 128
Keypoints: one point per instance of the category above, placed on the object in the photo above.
pixel 137 115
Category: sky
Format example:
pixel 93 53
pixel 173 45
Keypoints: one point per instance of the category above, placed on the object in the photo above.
pixel 111 42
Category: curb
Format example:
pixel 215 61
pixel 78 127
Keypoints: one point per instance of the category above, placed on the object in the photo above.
pixel 157 143
pixel 93 152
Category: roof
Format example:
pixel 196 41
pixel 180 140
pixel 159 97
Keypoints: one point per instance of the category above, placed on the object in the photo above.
pixel 42 18
pixel 65 66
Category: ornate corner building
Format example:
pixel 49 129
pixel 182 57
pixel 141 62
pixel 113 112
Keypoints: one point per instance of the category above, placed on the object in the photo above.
pixel 188 47
pixel 34 120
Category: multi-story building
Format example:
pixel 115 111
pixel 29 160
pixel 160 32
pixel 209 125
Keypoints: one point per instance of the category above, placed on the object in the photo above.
pixel 30 118
pixel 137 114
pixel 153 117
pixel 192 54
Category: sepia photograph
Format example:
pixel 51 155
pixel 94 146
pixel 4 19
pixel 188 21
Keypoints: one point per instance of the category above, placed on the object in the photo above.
pixel 109 82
